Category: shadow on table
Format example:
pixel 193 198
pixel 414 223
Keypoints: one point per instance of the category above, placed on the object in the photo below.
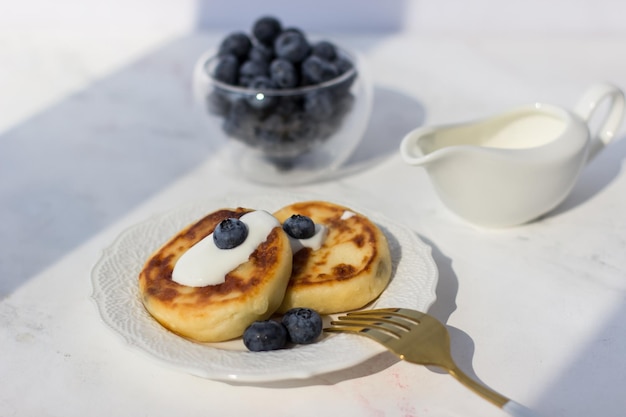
pixel 600 171
pixel 461 343
pixel 73 169
pixel 447 284
pixel 580 386
pixel 394 114
pixel 583 385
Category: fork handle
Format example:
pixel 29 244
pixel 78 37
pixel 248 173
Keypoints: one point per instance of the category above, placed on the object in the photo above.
pixel 487 393
pixel 508 406
pixel 517 410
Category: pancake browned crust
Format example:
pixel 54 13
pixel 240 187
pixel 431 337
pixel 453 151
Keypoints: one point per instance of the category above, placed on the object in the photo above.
pixel 352 267
pixel 252 291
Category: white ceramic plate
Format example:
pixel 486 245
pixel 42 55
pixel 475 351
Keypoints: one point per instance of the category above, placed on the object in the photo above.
pixel 115 292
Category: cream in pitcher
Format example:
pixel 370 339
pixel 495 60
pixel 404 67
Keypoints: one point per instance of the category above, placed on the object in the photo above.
pixel 516 166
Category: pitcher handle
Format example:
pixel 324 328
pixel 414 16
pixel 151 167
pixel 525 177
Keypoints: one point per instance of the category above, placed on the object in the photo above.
pixel 411 152
pixel 587 106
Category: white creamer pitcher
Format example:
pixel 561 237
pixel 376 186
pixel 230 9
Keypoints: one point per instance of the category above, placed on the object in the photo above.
pixel 509 169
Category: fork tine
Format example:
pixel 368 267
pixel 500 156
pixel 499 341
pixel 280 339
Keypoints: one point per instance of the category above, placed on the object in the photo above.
pixel 390 328
pixel 389 313
pixel 393 321
pixel 378 334
pixel 372 319
pixel 343 328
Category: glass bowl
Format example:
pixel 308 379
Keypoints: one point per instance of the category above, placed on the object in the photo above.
pixel 285 136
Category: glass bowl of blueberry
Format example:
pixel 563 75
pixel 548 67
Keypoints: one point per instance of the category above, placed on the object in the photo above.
pixel 286 108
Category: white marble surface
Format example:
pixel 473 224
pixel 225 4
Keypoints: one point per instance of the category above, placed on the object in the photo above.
pixel 100 135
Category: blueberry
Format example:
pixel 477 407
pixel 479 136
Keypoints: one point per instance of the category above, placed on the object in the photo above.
pixel 262 83
pixel 325 50
pixel 261 100
pixel 283 73
pixel 342 88
pixel 303 325
pixel 226 69
pixel 278 139
pixel 240 120
pixel 319 104
pixel 266 29
pixel 294 30
pixel 343 64
pixel 217 103
pixel 287 106
pixel 230 233
pixel 270 132
pixel 265 335
pixel 315 70
pixel 261 53
pixel 303 129
pixel 249 70
pixel 292 46
pixel 273 58
pixel 237 44
pixel 343 105
pixel 299 226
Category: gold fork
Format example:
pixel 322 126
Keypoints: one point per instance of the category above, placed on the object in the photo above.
pixel 419 338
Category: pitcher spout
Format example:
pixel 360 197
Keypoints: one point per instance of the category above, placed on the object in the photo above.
pixel 417 147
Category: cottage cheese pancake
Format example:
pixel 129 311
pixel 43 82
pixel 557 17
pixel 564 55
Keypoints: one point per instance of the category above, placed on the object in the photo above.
pixel 221 311
pixel 350 268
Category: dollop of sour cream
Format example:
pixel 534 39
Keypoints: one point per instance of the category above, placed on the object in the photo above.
pixel 347 214
pixel 314 242
pixel 205 264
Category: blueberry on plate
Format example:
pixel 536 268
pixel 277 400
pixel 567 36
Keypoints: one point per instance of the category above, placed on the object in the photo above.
pixel 230 233
pixel 237 44
pixel 303 325
pixel 266 29
pixel 265 335
pixel 299 226
pixel 292 46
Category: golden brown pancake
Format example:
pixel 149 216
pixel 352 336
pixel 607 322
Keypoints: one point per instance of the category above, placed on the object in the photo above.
pixel 350 269
pixel 252 291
